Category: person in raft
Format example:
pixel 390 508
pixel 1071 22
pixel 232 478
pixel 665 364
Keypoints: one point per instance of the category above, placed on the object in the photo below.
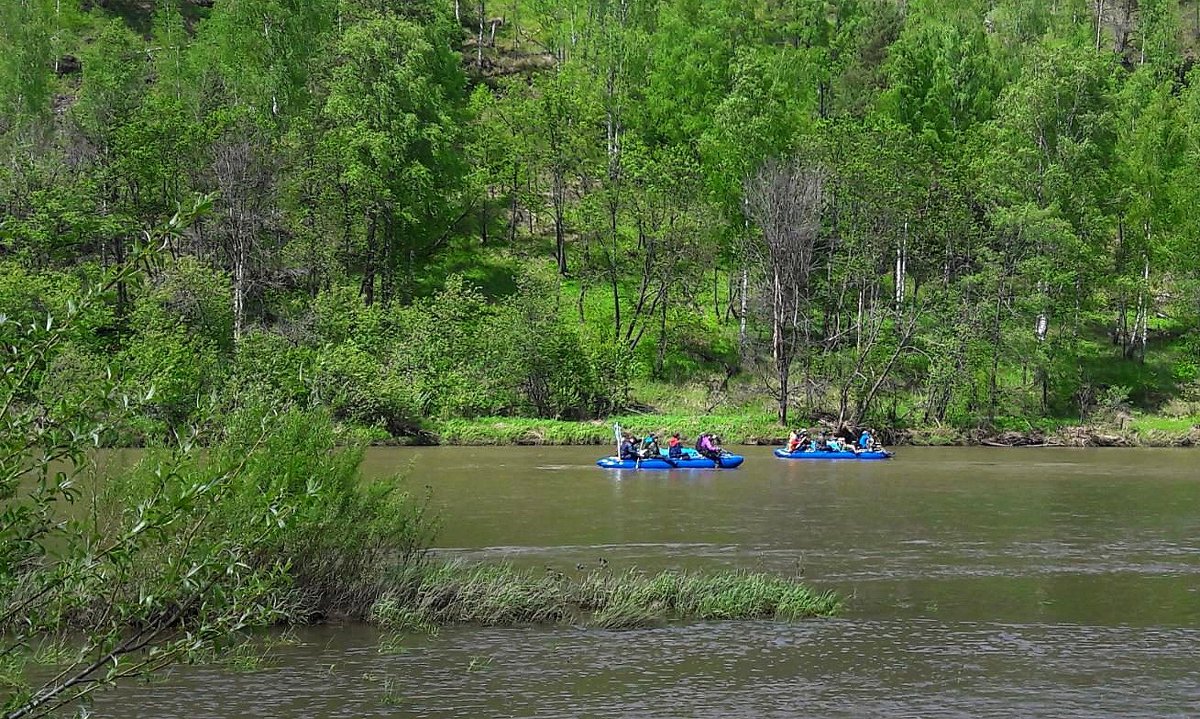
pixel 798 441
pixel 650 446
pixel 709 445
pixel 627 449
pixel 867 442
pixel 674 447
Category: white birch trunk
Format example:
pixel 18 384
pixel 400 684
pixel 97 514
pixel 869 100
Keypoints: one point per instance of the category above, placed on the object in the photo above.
pixel 479 39
pixel 239 286
pixel 1144 302
pixel 742 310
pixel 1043 322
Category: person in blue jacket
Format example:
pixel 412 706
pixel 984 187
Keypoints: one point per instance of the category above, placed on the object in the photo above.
pixel 866 441
pixel 627 449
pixel 650 446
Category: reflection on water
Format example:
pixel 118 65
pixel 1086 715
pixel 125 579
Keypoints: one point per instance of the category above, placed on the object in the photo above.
pixel 981 582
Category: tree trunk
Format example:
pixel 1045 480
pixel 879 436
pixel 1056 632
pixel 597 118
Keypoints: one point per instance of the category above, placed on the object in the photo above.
pixel 993 381
pixel 479 39
pixel 483 217
pixel 560 235
pixel 1144 302
pixel 388 260
pixel 779 349
pixel 1121 328
pixel 859 322
pixel 742 312
pixel 368 279
pixel 616 296
pixel 239 285
pixel 901 266
pixel 512 207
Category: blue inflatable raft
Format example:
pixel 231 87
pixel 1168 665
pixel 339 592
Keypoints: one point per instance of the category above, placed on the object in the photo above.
pixel 781 452
pixel 690 460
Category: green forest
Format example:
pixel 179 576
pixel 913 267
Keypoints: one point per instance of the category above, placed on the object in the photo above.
pixel 948 217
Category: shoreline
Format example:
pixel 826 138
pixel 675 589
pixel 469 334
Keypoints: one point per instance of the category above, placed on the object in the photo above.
pixel 759 431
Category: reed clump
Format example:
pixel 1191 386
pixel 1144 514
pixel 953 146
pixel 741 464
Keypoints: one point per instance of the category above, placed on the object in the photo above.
pixel 434 594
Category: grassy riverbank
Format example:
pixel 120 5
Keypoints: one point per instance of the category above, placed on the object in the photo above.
pixel 509 430
pixel 761 428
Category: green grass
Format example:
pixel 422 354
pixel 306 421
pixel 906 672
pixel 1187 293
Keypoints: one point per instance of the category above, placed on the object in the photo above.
pixel 499 595
pixel 1163 431
pixel 1143 424
pixel 733 429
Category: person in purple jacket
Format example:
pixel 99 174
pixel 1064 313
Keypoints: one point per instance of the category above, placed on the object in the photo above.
pixel 708 445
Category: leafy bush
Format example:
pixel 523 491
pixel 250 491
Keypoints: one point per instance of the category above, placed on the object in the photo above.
pixel 554 374
pixel 176 557
pixel 450 347
pixel 27 297
pixel 182 338
pixel 454 354
pixel 270 368
pixel 286 487
pixel 190 294
pixel 357 388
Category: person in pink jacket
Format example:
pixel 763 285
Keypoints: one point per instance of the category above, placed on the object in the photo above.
pixel 709 446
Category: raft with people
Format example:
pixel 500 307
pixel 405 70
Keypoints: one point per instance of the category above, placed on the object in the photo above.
pixel 818 454
pixel 690 460
pixel 647 453
pixel 801 446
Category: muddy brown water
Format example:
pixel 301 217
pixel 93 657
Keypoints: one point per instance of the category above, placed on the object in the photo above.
pixel 980 582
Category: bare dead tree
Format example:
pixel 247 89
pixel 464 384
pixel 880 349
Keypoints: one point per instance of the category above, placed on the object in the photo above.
pixel 243 214
pixel 785 199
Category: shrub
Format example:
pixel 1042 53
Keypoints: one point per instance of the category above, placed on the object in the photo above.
pixel 357 388
pixel 270 368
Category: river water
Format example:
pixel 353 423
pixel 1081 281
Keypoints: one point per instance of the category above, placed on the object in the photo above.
pixel 980 582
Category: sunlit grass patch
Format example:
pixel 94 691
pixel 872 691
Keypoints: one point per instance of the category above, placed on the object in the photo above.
pixel 514 430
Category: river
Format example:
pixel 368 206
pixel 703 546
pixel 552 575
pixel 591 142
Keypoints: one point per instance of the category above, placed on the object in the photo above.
pixel 980 582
